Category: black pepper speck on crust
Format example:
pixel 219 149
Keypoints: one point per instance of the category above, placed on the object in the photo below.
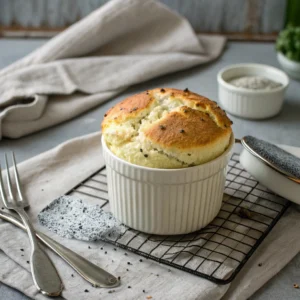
pixel 105 115
pixel 162 90
pixel 182 131
pixel 186 90
pixel 146 155
pixel 162 127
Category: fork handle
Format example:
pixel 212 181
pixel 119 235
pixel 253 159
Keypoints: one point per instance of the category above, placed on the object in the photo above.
pixel 89 271
pixel 44 274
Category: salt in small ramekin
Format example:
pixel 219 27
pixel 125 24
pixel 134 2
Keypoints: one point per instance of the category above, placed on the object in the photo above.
pixel 247 103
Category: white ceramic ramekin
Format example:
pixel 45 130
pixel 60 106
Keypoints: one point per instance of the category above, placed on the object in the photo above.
pixel 251 104
pixel 291 67
pixel 165 201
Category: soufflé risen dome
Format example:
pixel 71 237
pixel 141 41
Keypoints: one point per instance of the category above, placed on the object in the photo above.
pixel 167 128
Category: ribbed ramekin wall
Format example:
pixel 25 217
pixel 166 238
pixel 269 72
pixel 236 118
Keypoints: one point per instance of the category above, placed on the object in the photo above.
pixel 165 209
pixel 165 202
pixel 250 106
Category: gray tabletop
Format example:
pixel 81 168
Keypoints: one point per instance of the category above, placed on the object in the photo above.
pixel 283 129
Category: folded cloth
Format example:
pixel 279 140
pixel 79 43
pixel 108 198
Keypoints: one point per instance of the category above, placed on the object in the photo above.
pixel 120 44
pixel 53 173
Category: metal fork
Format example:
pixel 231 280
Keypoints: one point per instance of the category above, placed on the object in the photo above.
pixel 44 274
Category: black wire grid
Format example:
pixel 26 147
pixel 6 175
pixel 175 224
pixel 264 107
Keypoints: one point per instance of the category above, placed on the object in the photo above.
pixel 218 251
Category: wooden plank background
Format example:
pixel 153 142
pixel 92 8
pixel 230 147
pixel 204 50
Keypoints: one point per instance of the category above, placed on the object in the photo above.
pixel 245 19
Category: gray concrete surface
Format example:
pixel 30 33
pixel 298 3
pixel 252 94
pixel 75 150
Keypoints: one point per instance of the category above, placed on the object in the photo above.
pixel 283 129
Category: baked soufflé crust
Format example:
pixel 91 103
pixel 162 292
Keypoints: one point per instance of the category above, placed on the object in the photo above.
pixel 167 128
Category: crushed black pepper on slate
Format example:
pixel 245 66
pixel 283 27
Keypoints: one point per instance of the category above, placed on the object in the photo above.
pixel 125 253
pixel 105 252
pixel 27 261
pixel 260 264
pixel 22 249
pixel 127 270
pixel 129 287
pixel 141 260
pixel 86 291
pixel 144 291
pixel 89 246
pixel 119 278
pixel 101 248
pixel 128 263
pixel 115 249
pixel 72 275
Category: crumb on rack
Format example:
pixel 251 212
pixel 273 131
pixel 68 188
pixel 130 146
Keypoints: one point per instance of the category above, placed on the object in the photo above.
pixel 244 213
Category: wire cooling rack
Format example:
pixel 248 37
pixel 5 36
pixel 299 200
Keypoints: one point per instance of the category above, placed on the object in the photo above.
pixel 218 251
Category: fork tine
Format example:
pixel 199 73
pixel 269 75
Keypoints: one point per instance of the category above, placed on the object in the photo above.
pixel 2 191
pixel 8 178
pixel 17 176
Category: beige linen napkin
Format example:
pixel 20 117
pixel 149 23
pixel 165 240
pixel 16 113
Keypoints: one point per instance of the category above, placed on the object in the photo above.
pixel 53 173
pixel 120 44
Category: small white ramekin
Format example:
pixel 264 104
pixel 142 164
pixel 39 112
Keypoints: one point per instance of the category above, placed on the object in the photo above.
pixel 251 104
pixel 291 67
pixel 165 201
